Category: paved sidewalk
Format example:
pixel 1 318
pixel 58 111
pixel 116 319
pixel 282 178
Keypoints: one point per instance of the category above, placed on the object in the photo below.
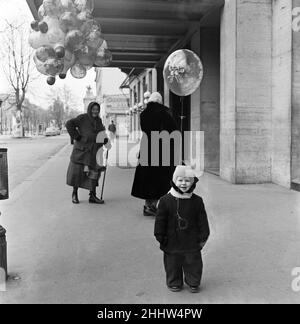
pixel 107 254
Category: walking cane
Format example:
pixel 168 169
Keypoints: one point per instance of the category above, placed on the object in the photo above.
pixel 104 176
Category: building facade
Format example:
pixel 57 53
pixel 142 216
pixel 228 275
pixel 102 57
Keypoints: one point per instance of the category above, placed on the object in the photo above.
pixel 248 104
pixel 115 108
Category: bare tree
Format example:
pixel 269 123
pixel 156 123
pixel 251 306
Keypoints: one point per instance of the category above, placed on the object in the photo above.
pixel 17 66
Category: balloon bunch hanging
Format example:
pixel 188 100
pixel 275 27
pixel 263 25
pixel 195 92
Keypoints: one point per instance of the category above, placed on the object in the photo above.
pixel 67 37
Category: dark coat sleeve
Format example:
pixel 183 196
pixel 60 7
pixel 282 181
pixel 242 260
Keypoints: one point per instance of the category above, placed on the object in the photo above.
pixel 170 124
pixel 72 126
pixel 203 224
pixel 161 221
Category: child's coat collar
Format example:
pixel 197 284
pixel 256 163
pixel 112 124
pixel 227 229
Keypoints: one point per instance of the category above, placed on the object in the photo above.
pixel 176 194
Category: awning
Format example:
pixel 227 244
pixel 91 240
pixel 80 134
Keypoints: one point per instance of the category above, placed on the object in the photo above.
pixel 142 33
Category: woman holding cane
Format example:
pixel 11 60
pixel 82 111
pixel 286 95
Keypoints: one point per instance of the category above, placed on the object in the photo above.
pixel 88 135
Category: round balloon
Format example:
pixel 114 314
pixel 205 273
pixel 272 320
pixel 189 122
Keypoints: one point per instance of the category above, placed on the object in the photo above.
pixel 104 57
pixel 51 80
pixel 78 71
pixel 74 40
pixel 85 5
pixel 43 27
pixel 68 21
pixel 44 53
pixel 85 22
pixel 68 5
pixel 86 57
pixel 183 72
pixel 53 8
pixel 55 34
pixel 40 66
pixel 69 61
pixel 94 39
pixel 41 12
pixel 35 25
pixel 38 39
pixel 53 66
pixel 60 51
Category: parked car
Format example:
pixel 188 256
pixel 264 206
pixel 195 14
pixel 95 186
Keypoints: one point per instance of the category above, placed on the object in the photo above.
pixel 52 131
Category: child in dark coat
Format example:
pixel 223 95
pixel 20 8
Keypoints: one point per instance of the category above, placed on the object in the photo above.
pixel 181 228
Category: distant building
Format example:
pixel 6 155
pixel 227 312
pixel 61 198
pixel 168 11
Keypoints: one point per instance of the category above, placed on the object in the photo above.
pixel 88 98
pixel 115 107
pixel 138 81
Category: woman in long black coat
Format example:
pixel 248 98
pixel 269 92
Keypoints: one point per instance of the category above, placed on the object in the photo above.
pixel 88 135
pixel 153 181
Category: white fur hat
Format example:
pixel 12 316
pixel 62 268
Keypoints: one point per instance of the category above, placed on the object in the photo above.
pixel 183 171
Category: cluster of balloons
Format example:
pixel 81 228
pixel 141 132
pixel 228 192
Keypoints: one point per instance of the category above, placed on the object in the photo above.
pixel 67 37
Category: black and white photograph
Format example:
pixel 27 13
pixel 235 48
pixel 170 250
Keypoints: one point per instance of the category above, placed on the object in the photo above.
pixel 149 154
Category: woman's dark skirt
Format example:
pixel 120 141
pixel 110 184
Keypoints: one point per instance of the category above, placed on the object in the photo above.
pixel 76 177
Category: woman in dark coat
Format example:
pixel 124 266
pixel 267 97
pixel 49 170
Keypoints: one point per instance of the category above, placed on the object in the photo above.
pixel 88 135
pixel 153 181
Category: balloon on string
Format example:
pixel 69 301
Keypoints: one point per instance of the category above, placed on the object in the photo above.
pixel 86 57
pixel 55 34
pixel 35 25
pixel 78 71
pixel 94 39
pixel 68 21
pixel 86 22
pixel 44 53
pixel 68 5
pixel 40 66
pixel 51 80
pixel 85 5
pixel 60 51
pixel 41 12
pixel 38 39
pixel 103 58
pixel 54 66
pixel 74 40
pixel 53 8
pixel 69 61
pixel 183 72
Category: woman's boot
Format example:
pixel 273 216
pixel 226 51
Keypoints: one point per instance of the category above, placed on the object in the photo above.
pixel 75 199
pixel 150 207
pixel 94 199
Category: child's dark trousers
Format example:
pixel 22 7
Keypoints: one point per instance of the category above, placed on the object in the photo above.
pixel 188 264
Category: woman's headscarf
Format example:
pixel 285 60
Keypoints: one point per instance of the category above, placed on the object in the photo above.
pixel 89 113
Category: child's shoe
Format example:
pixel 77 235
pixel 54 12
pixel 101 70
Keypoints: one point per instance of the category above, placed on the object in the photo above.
pixel 194 289
pixel 175 288
pixel 149 211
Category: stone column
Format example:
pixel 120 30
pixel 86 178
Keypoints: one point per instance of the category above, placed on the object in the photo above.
pixel 295 113
pixel 246 91
pixel 281 92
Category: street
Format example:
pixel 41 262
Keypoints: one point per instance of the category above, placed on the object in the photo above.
pixel 107 254
pixel 26 155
